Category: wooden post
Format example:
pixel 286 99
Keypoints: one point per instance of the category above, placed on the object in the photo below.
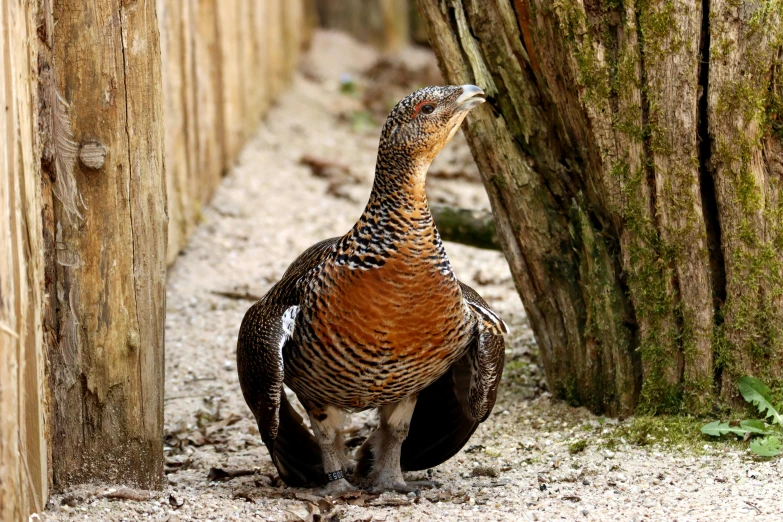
pixel 23 450
pixel 172 20
pixel 108 227
pixel 83 223
pixel 209 110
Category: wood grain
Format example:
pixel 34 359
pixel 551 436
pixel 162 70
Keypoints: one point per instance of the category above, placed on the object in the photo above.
pixel 23 451
pixel 106 366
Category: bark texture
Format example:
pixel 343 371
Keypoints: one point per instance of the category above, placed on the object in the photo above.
pixel 105 227
pixel 632 153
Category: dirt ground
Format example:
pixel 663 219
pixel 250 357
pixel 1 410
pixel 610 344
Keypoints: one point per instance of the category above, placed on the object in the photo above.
pixel 304 177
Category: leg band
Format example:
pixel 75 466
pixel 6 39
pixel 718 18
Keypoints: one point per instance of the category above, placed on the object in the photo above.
pixel 334 475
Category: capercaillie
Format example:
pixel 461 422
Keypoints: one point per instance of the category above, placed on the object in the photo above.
pixel 376 319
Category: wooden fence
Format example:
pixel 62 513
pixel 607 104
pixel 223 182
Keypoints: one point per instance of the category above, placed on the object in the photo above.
pixel 119 120
pixel 389 25
pixel 222 66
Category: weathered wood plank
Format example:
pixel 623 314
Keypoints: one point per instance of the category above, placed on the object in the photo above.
pixel 178 185
pixel 106 367
pixel 208 107
pixel 274 36
pixel 231 74
pixel 263 79
pixel 23 449
pixel 12 503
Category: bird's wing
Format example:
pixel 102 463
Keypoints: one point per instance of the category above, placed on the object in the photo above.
pixel 489 320
pixel 449 410
pixel 486 360
pixel 265 329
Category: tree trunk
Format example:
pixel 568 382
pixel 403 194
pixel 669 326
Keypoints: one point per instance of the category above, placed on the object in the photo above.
pixel 105 225
pixel 633 154
pixel 23 451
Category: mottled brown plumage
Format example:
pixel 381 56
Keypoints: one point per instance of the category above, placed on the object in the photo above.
pixel 376 319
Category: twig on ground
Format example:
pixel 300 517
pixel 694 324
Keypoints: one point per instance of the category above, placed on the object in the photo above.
pixel 174 397
pixel 245 296
pixel 220 474
pixel 138 495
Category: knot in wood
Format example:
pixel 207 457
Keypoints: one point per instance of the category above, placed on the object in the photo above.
pixel 133 340
pixel 92 154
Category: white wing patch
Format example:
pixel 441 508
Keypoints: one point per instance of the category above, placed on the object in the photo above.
pixel 289 320
pixel 490 321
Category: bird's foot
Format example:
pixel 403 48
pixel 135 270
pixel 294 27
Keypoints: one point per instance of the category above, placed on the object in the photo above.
pixel 389 481
pixel 348 465
pixel 336 488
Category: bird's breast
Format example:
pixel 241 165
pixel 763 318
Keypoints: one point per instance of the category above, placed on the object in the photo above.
pixel 381 334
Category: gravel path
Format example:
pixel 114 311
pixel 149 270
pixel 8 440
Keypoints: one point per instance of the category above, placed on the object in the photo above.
pixel 534 458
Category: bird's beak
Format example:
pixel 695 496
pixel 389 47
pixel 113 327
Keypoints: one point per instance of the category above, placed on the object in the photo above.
pixel 471 97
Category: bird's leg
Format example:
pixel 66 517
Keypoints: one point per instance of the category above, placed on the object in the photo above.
pixel 326 423
pixel 386 444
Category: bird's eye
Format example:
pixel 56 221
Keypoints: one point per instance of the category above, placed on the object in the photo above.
pixel 427 109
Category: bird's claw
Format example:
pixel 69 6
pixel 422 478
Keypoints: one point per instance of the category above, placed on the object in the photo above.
pixel 336 488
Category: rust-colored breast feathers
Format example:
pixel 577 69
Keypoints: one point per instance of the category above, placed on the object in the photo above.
pixel 400 310
pixel 381 334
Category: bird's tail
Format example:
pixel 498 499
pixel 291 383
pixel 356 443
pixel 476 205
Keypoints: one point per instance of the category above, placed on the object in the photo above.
pixel 440 426
pixel 294 451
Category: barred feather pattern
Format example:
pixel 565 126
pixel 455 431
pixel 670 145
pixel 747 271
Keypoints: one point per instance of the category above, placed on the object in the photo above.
pixel 382 318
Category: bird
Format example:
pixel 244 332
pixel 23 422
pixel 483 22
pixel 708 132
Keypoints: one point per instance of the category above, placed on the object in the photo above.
pixel 376 319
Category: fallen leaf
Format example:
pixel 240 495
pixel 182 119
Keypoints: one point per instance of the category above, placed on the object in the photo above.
pixel 173 502
pixel 243 495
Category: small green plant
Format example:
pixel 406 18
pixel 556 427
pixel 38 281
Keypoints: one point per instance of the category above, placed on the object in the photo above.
pixel 361 121
pixel 767 430
pixel 577 446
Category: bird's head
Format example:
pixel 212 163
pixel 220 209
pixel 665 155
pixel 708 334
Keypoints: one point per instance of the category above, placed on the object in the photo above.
pixel 425 121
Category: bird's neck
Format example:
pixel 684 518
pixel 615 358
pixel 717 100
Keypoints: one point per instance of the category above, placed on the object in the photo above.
pixel 396 213
pixel 398 187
